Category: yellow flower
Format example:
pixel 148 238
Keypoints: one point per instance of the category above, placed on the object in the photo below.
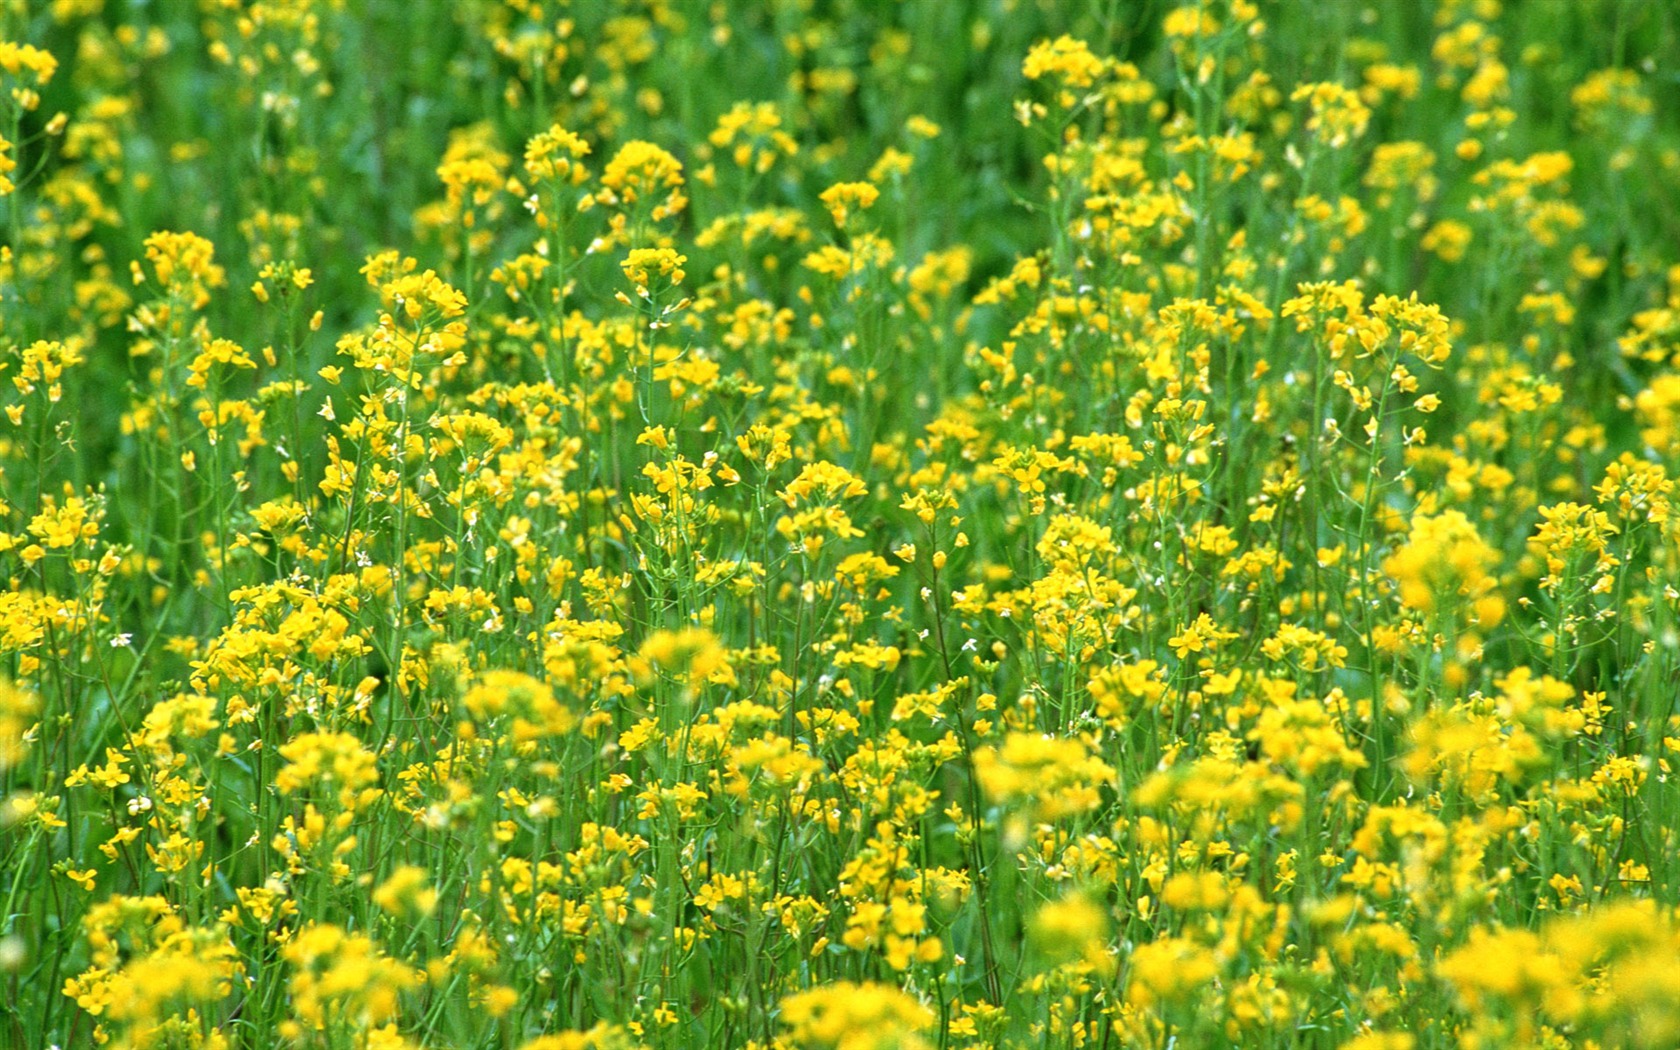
pixel 1064 59
pixel 405 893
pixel 333 766
pixel 1443 560
pixel 184 265
pixel 554 154
pixel 635 176
pixel 1168 972
pixel 534 709
pixel 842 197
pixel 603 1036
pixel 338 975
pixel 1050 777
pixel 642 265
pixel 848 1016
pixel 18 708
pixel 1336 115
pixel 1072 929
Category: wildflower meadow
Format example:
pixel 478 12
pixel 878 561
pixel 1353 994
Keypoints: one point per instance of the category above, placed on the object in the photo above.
pixel 839 525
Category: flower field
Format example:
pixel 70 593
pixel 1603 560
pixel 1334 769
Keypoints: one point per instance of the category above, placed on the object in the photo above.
pixel 835 525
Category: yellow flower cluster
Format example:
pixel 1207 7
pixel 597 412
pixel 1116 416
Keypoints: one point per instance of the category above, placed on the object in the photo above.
pixel 530 525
